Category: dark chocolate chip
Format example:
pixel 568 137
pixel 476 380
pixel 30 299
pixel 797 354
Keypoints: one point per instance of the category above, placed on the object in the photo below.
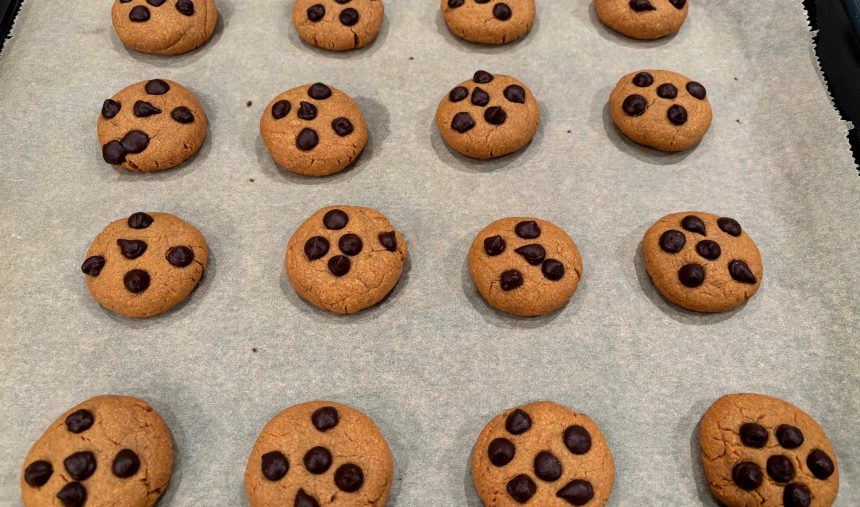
pixel 125 464
pixel 388 240
pixel 462 122
pixel 316 12
pixel 342 126
pixel 695 224
pixel 180 256
pixel 696 90
pixel 495 115
pixel 678 4
pixel 482 1
pixel 110 108
pixel 113 153
pixel 319 91
pixel 495 245
pixel 510 280
pixel 143 109
pixel 139 14
pixel 307 111
pixel 480 97
pixel 274 465
pixel 131 248
pixel 73 494
pixel 80 465
pixel 156 3
pixel 730 226
pixel 482 77
pixel 667 91
pixel 281 109
pixel 643 79
pixel 780 469
pixel 796 495
pixel 577 492
pixel 747 475
pixel 349 17
pixel 349 478
pixel 502 11
pixel 140 220
pixel 547 466
pixel 641 5
pixel 185 7
pixel 516 94
pixel 521 488
pixel 788 436
pixel 533 254
pixel 325 418
pixel 136 281
pixel 742 273
pixel 634 105
pixel 518 422
pixel 182 115
pixel 93 265
pixel 453 4
pixel 80 421
pixel 350 244
pixel 677 115
pixel 753 435
pixel 708 249
pixel 672 241
pixel 307 139
pixel 135 142
pixel 316 248
pixel 501 451
pixel 305 500
pixel 335 220
pixel 318 460
pixel 820 464
pixel 691 275
pixel 577 439
pixel 528 229
pixel 339 265
pixel 343 2
pixel 458 94
pixel 38 473
pixel 553 270
pixel 157 87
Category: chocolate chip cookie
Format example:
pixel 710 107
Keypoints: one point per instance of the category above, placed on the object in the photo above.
pixel 763 451
pixel 319 453
pixel 151 126
pixel 109 450
pixel 661 109
pixel 642 19
pixel 315 130
pixel 488 116
pixel 345 258
pixel 162 27
pixel 702 262
pixel 542 454
pixel 489 21
pixel 525 266
pixel 338 25
pixel 143 265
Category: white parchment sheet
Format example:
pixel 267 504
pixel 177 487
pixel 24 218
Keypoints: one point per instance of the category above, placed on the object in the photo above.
pixel 433 363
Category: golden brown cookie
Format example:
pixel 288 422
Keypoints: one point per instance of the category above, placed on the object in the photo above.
pixel 702 262
pixel 146 264
pixel 525 266
pixel 661 109
pixel 763 451
pixel 151 126
pixel 488 116
pixel 345 258
pixel 162 27
pixel 642 19
pixel 489 21
pixel 109 450
pixel 319 453
pixel 338 25
pixel 542 454
pixel 315 130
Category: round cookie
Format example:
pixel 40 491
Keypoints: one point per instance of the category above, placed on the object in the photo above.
pixel 345 258
pixel 164 27
pixel 146 264
pixel 702 262
pixel 109 450
pixel 314 130
pixel 488 116
pixel 338 25
pixel 525 266
pixel 542 454
pixel 319 453
pixel 642 19
pixel 763 451
pixel 661 109
pixel 489 21
pixel 151 126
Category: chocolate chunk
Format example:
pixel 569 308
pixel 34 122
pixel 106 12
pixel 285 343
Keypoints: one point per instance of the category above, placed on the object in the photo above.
pixel 80 465
pixel 453 4
pixel 482 1
pixel 281 109
pixel 316 248
pixel 307 111
pixel 730 226
pixel 125 464
pixel 131 248
pixel 349 17
pixel 533 254
pixel 747 475
pixel 516 94
pixel 577 492
pixel 307 139
pixel 38 473
pixel 80 421
pixel 143 109
pixel 182 115
pixel 528 229
pixel 274 465
pixel 788 436
pixel 820 464
pixel 634 105
pixel 135 142
pixel 73 494
pixel 753 435
pixel 462 122
pixel 458 94
pixel 342 126
pixel 156 3
pixel 139 14
pixel 577 439
pixel 518 422
pixel 482 77
pixel 350 244
pixel 510 280
pixel 140 220
pixel 643 79
pixel 547 466
pixel 318 460
pixel 742 273
pixel 501 451
pixel 110 108
pixel 180 256
pixel 185 7
pixel 502 11
pixel 495 115
pixel 113 153
pixel 316 12
pixel 157 87
pixel 691 275
pixel 349 478
pixel 667 91
pixel 678 4
pixel 553 270
pixel 343 2
pixel 696 90
pixel 388 240
pixel 480 98
pixel 319 91
pixel 335 220
pixel 695 224
pixel 93 265
pixel 136 281
pixel 708 249
pixel 339 265
pixel 305 500
pixel 641 5
pixel 325 418
pixel 677 115
pixel 521 488
pixel 796 495
pixel 780 469
pixel 495 245
pixel 672 241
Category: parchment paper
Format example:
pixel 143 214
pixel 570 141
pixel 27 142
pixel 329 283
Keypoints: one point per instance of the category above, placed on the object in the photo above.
pixel 433 363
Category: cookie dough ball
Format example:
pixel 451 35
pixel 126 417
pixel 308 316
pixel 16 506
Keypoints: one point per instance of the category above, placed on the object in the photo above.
pixel 701 261
pixel 642 19
pixel 109 450
pixel 488 116
pixel 151 126
pixel 314 130
pixel 763 451
pixel 489 21
pixel 338 25
pixel 164 27
pixel 319 453
pixel 525 266
pixel 542 454
pixel 345 258
pixel 143 265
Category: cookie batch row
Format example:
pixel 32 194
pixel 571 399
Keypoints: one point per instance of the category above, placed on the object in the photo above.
pixel 116 450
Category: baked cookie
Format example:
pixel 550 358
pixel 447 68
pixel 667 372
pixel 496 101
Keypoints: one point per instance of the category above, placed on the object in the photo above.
pixel 642 19
pixel 109 450
pixel 164 27
pixel 151 126
pixel 319 453
pixel 315 130
pixel 145 264
pixel 763 451
pixel 338 25
pixel 525 266
pixel 542 454
pixel 489 116
pixel 345 258
pixel 489 21
pixel 702 262
pixel 661 109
